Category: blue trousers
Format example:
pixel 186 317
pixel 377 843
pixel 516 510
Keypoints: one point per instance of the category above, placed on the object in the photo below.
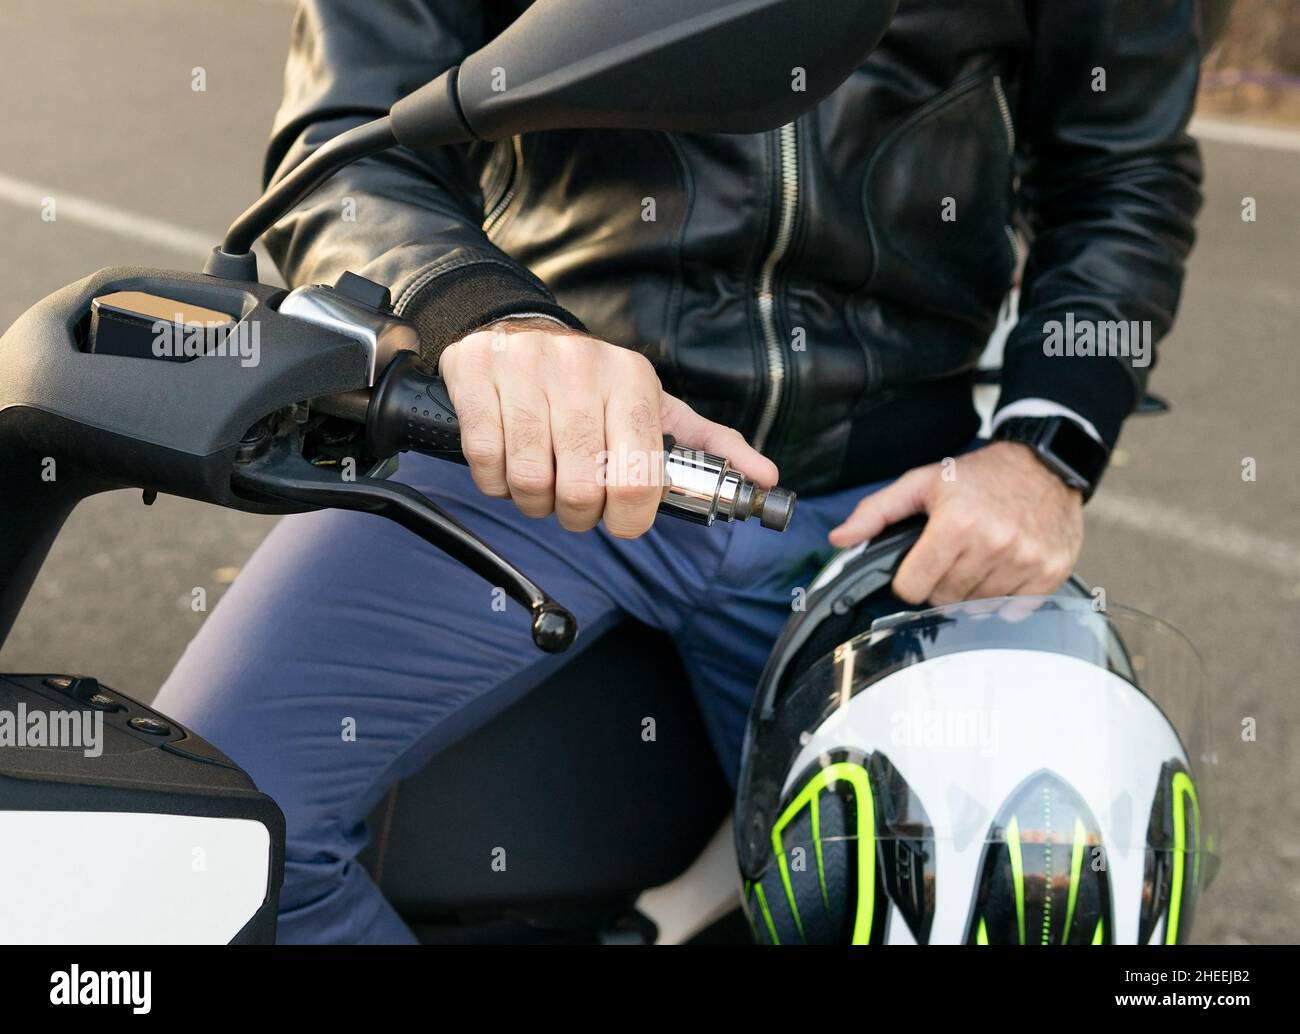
pixel 344 621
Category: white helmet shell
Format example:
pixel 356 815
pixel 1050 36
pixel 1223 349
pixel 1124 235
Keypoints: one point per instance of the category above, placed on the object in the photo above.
pixel 967 729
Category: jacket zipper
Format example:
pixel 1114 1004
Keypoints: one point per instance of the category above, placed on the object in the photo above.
pixel 1013 243
pixel 788 183
pixel 1004 109
pixel 1009 126
pixel 498 209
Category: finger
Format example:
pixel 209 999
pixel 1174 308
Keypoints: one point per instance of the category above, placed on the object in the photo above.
pixel 1016 567
pixel 578 435
pixel 1045 578
pixel 1022 587
pixel 970 567
pixel 1000 580
pixel 478 411
pixel 530 462
pixel 697 432
pixel 907 496
pixel 634 464
pixel 928 562
pixel 985 565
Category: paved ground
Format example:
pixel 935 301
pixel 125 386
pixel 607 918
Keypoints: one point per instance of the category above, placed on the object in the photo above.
pixel 99 108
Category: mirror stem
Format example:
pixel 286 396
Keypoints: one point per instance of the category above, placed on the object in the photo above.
pixel 342 150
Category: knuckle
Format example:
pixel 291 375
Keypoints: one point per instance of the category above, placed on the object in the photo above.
pixel 471 355
pixel 624 527
pixel 494 488
pixel 631 363
pixel 1060 568
pixel 906 589
pixel 567 345
pixel 482 450
pixel 581 496
pixel 734 437
pixel 519 349
pixel 577 522
pixel 633 497
pixel 570 354
pixel 1028 555
pixel 958 519
pixel 1000 535
pixel 529 477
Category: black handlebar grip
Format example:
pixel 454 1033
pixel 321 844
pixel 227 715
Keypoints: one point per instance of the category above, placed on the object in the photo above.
pixel 410 410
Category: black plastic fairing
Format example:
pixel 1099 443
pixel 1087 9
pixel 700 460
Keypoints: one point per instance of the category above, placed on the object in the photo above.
pixel 181 419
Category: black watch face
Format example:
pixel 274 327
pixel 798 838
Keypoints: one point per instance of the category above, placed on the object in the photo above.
pixel 1074 448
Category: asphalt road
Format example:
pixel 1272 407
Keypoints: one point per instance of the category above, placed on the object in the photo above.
pixel 100 114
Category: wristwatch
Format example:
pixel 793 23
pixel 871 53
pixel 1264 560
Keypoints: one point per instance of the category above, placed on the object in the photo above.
pixel 1062 446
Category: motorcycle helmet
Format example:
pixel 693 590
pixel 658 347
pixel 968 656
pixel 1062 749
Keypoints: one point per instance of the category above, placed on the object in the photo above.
pixel 1005 771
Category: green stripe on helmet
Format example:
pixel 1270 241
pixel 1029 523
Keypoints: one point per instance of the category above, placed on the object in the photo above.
pixel 1183 790
pixel 1017 873
pixel 864 807
pixel 767 915
pixel 1076 870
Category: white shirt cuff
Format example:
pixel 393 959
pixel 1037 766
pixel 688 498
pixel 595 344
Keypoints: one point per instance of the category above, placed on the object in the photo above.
pixel 1042 408
pixel 533 316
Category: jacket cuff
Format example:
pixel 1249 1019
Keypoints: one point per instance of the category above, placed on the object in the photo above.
pixel 1101 390
pixel 449 305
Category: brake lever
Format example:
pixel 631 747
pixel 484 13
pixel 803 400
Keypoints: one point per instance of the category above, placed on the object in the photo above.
pixel 282 473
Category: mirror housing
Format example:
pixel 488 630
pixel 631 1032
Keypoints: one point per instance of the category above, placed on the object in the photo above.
pixel 686 66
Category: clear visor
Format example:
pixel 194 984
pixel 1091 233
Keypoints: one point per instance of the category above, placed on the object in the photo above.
pixel 1068 724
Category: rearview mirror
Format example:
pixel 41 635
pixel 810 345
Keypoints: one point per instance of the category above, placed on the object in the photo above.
pixel 690 66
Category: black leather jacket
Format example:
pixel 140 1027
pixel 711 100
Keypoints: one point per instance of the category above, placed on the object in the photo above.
pixel 826 288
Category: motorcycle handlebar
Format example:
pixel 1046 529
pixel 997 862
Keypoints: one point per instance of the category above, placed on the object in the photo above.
pixel 409 410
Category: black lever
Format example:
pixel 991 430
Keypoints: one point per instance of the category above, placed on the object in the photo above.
pixel 282 473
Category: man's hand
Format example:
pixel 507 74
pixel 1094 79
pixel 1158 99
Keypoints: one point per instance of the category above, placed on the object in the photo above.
pixel 561 422
pixel 1000 524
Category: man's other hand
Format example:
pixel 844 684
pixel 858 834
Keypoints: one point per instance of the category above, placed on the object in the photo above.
pixel 1000 523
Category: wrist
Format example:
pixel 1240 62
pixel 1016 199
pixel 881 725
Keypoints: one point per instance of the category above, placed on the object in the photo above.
pixel 1029 465
pixel 1061 446
pixel 451 306
pixel 530 321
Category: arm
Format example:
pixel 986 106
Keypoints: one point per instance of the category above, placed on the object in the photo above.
pixel 551 418
pixel 1111 184
pixel 411 221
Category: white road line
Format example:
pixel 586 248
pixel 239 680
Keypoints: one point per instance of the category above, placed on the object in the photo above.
pixel 1273 139
pixel 1229 541
pixel 121 222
